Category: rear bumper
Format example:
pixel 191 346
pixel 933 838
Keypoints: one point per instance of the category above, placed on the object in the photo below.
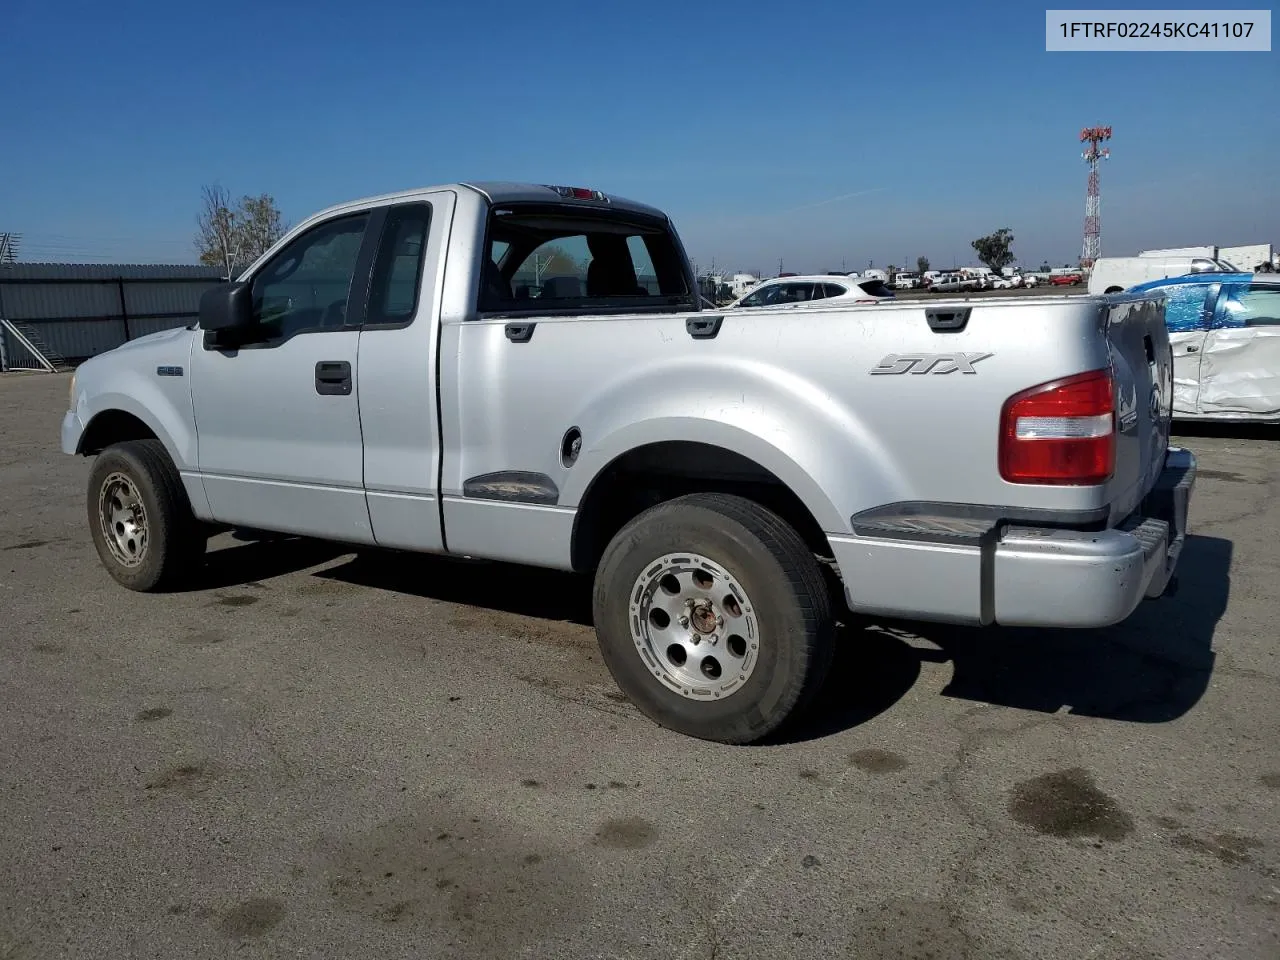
pixel 985 570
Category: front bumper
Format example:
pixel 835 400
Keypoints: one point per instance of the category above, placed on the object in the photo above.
pixel 1027 575
pixel 72 430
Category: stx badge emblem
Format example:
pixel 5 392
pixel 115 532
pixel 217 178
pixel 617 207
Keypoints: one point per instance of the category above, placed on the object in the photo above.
pixel 928 363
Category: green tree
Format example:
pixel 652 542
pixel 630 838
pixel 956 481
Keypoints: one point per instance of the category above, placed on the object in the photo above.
pixel 553 261
pixel 922 265
pixel 261 225
pixel 995 250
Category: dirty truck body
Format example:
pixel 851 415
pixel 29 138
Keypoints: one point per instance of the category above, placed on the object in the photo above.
pixel 397 372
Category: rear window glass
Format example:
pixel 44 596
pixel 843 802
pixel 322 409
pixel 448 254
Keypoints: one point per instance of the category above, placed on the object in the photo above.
pixel 553 260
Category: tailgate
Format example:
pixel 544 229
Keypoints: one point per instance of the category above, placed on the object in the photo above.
pixel 1143 365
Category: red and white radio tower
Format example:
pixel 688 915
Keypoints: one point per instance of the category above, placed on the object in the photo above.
pixel 1093 198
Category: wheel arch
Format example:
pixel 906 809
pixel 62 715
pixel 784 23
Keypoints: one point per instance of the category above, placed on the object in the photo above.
pixel 119 416
pixel 113 426
pixel 645 473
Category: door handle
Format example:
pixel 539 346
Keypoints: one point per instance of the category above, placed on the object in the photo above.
pixel 333 378
pixel 703 328
pixel 1192 348
pixel 520 332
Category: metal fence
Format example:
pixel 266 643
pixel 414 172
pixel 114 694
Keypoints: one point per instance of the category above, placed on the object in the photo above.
pixel 80 310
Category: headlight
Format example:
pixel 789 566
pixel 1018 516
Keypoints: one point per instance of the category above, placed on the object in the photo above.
pixel 71 393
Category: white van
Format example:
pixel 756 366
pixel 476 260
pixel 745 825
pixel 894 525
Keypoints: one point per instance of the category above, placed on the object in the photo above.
pixel 1113 274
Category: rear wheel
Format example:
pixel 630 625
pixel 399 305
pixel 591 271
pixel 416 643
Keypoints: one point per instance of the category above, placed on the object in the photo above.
pixel 140 518
pixel 714 617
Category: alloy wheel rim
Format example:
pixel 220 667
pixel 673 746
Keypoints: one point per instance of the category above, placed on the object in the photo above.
pixel 694 627
pixel 123 519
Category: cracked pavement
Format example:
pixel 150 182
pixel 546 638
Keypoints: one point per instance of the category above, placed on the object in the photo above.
pixel 318 753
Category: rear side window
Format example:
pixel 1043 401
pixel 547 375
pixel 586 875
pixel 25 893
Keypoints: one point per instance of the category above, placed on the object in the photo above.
pixel 552 260
pixel 397 273
pixel 1253 306
pixel 876 288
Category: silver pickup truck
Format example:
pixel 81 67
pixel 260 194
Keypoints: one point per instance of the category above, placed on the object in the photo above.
pixel 526 373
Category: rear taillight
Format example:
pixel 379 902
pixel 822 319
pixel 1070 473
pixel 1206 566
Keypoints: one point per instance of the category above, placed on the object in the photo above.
pixel 1062 432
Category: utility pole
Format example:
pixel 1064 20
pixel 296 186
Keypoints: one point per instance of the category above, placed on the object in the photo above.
pixel 1092 248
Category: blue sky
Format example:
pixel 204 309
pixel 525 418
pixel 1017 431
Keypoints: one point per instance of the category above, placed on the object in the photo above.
pixel 934 123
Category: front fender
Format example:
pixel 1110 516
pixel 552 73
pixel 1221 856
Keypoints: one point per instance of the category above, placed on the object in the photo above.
pixel 823 452
pixel 164 422
pixel 130 381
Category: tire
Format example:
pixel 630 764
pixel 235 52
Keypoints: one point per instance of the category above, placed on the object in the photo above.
pixel 784 626
pixel 169 542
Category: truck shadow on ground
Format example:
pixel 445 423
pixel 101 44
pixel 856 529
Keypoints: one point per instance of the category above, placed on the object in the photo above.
pixel 1152 668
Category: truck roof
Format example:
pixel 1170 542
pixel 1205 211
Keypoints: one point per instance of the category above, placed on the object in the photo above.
pixel 498 192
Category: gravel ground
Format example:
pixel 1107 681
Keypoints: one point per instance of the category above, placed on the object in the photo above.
pixel 320 754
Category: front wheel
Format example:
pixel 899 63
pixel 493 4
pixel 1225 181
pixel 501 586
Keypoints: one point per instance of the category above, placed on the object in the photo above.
pixel 140 518
pixel 714 617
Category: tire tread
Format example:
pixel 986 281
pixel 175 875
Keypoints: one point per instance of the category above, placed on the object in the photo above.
pixel 178 537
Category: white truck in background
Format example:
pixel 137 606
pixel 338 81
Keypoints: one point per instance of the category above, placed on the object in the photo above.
pixel 1251 257
pixel 1113 274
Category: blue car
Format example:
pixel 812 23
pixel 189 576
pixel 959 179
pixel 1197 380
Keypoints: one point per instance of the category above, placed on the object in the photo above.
pixel 1225 333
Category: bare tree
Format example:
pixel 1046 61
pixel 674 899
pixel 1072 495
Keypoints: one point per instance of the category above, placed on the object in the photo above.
pixel 218 235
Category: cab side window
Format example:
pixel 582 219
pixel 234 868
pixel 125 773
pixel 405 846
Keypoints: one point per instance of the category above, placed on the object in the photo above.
pixel 306 286
pixel 397 273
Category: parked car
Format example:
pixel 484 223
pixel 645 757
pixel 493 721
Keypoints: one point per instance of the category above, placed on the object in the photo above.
pixel 728 478
pixel 1224 330
pixel 793 291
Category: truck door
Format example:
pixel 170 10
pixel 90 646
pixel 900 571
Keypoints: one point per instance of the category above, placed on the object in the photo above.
pixel 277 418
pixel 1188 308
pixel 1240 361
pixel 397 378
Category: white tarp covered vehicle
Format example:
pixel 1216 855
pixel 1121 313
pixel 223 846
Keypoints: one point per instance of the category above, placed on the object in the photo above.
pixel 1224 330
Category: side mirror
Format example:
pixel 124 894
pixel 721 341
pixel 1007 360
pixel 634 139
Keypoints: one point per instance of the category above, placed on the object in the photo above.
pixel 227 307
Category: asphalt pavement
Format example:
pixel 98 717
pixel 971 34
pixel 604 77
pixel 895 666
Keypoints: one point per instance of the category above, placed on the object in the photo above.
pixel 316 753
